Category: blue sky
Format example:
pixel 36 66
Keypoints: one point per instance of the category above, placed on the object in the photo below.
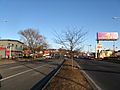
pixel 49 15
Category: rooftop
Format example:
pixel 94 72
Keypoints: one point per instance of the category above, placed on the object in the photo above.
pixel 11 40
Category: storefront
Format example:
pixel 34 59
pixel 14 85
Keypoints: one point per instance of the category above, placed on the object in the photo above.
pixel 10 48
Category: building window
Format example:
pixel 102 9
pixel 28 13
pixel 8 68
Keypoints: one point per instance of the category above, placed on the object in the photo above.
pixel 21 46
pixel 16 46
pixel 8 44
pixel 12 45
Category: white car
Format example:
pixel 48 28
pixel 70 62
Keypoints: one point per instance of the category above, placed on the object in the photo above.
pixel 48 57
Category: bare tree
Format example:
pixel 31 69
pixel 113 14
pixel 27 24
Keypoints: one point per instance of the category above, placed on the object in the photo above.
pixel 32 38
pixel 71 39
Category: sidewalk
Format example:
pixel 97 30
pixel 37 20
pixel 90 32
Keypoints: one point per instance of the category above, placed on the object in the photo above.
pixel 69 78
pixel 6 61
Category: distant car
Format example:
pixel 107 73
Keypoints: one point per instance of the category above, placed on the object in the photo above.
pixel 48 57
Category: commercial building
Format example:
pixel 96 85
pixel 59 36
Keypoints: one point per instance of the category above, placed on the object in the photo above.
pixel 10 48
pixel 106 53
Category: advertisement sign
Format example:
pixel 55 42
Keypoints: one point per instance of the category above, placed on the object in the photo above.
pixel 99 45
pixel 107 36
pixel 2 48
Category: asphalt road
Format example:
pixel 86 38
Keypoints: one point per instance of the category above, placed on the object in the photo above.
pixel 106 75
pixel 24 75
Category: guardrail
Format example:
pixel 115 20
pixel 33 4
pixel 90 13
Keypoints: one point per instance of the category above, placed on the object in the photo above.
pixel 41 85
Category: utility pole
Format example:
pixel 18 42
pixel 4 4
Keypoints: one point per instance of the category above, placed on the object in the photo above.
pixel 115 18
pixel 89 48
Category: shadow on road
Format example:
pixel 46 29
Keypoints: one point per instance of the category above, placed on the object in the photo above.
pixel 97 70
pixel 96 67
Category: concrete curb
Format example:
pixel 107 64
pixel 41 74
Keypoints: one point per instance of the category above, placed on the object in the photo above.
pixel 91 82
pixel 58 69
pixel 89 79
pixel 41 85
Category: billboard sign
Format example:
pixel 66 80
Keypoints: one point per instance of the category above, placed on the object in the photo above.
pixel 107 36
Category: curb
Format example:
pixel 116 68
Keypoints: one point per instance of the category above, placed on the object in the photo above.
pixel 91 82
pixel 57 71
pixel 42 84
pixel 89 79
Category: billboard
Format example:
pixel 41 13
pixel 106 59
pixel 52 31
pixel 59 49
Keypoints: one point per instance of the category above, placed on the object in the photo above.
pixel 107 36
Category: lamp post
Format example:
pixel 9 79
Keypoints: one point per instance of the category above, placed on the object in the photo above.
pixel 115 17
pixel 89 48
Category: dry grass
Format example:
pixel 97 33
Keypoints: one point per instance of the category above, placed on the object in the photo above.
pixel 69 78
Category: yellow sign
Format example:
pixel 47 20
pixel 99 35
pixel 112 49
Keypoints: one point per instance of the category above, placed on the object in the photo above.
pixel 99 45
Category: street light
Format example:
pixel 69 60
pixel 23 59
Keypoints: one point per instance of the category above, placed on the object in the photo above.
pixel 1 20
pixel 89 48
pixel 115 17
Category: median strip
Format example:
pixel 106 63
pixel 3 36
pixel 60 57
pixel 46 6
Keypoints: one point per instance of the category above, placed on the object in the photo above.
pixel 69 78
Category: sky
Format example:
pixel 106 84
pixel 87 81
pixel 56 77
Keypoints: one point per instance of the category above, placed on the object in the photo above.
pixel 50 15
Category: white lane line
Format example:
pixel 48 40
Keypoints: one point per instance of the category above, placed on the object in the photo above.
pixel 95 86
pixel 90 80
pixel 15 67
pixel 21 73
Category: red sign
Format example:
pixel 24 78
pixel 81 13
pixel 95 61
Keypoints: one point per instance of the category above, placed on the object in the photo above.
pixel 46 52
pixel 7 52
pixel 2 48
pixel 107 35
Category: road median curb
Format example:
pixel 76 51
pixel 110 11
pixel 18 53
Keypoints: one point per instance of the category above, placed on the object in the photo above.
pixel 89 79
pixel 41 85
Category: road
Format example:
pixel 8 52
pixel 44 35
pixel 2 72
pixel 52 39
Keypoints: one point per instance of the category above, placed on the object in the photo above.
pixel 24 75
pixel 106 75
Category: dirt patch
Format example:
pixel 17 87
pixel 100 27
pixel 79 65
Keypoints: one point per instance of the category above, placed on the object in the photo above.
pixel 69 78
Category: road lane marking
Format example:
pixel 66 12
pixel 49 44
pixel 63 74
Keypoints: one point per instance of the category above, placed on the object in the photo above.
pixel 15 67
pixel 91 81
pixel 21 73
